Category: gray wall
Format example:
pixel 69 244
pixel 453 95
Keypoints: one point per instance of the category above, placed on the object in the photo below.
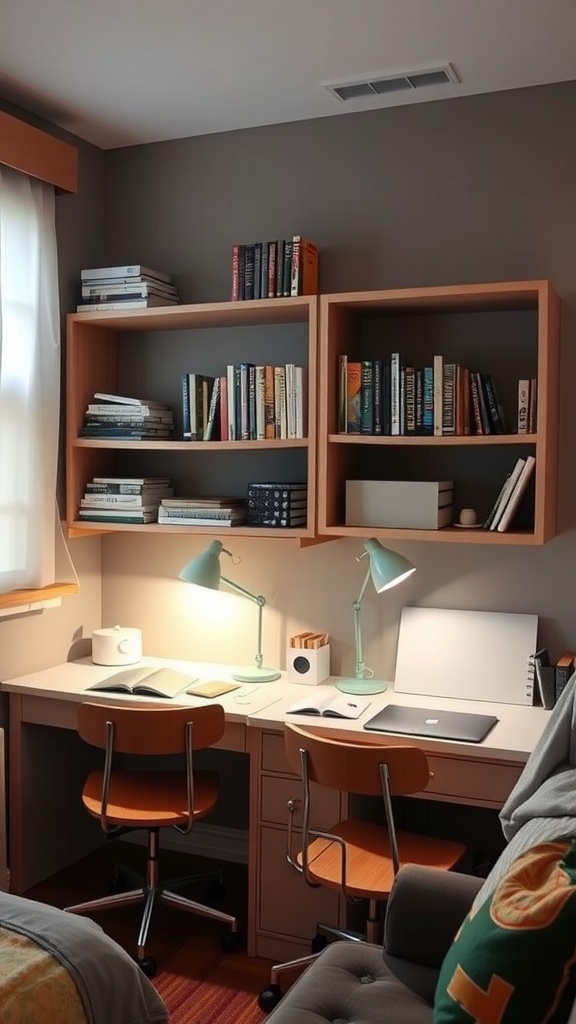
pixel 465 190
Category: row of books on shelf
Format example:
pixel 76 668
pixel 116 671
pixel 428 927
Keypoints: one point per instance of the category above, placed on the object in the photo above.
pixel 269 270
pixel 510 495
pixel 552 678
pixel 390 396
pixel 131 286
pixel 249 402
pixel 141 500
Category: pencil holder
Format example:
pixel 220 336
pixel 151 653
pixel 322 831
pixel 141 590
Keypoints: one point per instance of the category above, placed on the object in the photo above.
pixel 308 666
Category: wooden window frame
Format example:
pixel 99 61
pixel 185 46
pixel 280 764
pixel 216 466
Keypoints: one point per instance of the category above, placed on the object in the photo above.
pixel 38 154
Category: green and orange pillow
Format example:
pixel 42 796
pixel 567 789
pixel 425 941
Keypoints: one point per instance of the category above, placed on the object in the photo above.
pixel 513 960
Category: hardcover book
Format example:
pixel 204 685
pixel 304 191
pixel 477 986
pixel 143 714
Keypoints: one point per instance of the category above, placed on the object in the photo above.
pixel 517 494
pixel 353 397
pixel 129 270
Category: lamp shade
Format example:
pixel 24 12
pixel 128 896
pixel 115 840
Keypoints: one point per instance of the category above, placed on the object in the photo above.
pixel 387 568
pixel 204 570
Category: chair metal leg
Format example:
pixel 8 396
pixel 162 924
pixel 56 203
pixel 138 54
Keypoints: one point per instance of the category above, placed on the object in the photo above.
pixel 291 965
pixel 145 923
pixel 121 899
pixel 151 891
pixel 175 900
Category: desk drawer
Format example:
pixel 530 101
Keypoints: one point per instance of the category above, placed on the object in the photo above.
pixel 467 781
pixel 276 793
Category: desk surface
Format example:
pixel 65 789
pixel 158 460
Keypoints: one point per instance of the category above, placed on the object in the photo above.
pixel 264 705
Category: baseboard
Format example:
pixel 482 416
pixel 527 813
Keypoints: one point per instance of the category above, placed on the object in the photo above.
pixel 215 841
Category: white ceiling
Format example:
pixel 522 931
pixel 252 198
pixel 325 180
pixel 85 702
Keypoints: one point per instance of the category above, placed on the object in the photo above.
pixel 123 72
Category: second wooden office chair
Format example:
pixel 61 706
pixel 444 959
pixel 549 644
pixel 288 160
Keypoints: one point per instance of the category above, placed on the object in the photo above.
pixel 358 858
pixel 131 799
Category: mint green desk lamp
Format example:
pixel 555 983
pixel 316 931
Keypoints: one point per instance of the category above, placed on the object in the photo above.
pixel 204 571
pixel 387 568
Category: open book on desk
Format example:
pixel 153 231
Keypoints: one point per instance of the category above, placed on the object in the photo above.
pixel 329 703
pixel 146 681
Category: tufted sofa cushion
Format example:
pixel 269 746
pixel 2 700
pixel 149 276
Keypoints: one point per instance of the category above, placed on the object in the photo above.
pixel 350 984
pixel 358 983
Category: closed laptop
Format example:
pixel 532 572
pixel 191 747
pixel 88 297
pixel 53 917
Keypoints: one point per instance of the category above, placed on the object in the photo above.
pixel 445 725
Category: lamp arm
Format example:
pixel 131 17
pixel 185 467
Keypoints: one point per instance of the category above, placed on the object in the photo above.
pixel 260 601
pixel 360 667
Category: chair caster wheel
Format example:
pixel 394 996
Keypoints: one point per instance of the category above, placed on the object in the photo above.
pixel 319 942
pixel 269 998
pixel 148 966
pixel 229 941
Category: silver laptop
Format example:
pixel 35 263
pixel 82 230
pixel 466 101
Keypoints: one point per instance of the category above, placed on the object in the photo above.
pixel 445 725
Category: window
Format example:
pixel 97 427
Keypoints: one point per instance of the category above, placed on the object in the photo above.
pixel 29 381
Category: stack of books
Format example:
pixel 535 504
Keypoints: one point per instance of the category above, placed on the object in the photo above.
pixel 202 511
pixel 121 417
pixel 271 270
pixel 112 499
pixel 128 287
pixel 281 505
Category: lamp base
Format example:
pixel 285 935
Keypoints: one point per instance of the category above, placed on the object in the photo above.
pixel 251 674
pixel 361 686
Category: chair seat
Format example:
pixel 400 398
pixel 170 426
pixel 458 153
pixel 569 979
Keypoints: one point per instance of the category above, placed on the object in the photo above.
pixel 150 799
pixel 369 867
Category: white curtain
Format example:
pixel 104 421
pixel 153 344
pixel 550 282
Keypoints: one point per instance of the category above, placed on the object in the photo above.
pixel 29 381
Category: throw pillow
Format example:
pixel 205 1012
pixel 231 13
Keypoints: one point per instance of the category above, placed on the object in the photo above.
pixel 513 959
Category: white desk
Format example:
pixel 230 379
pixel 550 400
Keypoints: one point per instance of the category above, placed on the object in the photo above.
pixel 49 827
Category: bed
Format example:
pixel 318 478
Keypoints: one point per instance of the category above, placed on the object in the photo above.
pixel 59 967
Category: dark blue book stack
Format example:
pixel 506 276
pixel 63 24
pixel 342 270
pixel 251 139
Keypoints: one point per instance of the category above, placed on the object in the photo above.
pixel 281 505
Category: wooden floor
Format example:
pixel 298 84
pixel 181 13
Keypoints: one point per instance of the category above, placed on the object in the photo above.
pixel 170 929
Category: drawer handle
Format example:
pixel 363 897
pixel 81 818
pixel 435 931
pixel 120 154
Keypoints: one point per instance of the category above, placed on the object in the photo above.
pixel 430 775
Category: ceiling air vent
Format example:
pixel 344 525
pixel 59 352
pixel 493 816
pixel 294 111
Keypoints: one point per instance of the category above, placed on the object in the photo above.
pixel 399 81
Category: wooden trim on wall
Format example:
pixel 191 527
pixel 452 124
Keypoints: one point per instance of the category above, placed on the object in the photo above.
pixel 38 154
pixel 16 598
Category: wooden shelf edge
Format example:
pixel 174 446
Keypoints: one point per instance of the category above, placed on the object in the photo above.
pixel 450 535
pixel 443 440
pixel 81 529
pixel 16 598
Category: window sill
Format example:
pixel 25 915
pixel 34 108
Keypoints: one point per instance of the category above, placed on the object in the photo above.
pixel 16 598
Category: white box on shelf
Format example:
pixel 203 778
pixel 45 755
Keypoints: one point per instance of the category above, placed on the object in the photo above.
pixel 400 504
pixel 308 665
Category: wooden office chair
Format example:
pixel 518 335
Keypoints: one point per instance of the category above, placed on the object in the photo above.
pixel 357 858
pixel 130 799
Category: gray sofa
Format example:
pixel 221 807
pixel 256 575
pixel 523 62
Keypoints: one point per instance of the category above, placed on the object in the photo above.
pixel 354 981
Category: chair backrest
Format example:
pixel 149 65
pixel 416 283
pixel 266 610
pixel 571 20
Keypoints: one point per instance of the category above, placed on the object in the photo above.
pixel 356 767
pixel 140 729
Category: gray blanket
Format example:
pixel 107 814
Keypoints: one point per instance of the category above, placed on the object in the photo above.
pixel 542 805
pixel 112 987
pixel 547 786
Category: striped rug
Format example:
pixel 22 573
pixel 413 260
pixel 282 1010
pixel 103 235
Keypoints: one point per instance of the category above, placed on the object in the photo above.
pixel 203 986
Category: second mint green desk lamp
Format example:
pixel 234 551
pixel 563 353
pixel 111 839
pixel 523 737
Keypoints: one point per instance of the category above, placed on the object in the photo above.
pixel 387 568
pixel 204 571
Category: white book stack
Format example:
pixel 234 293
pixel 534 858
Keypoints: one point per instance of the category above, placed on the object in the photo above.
pixel 128 500
pixel 131 286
